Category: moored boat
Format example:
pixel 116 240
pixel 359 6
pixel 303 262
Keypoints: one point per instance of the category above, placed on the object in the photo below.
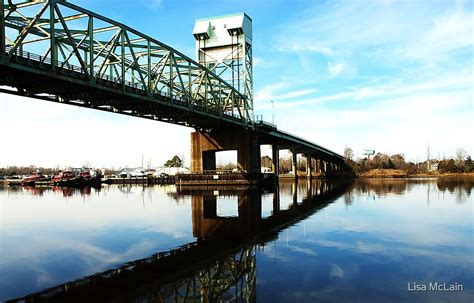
pixel 31 179
pixel 68 178
pixel 91 179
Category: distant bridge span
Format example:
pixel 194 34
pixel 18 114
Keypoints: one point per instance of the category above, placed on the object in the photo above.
pixel 56 51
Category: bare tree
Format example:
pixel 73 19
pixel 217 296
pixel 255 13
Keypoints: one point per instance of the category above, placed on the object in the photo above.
pixel 461 155
pixel 348 153
pixel 266 161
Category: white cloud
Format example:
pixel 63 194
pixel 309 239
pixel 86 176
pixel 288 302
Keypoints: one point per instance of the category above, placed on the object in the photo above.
pixel 155 3
pixel 393 118
pixel 279 91
pixel 396 125
pixel 393 31
pixel 450 32
pixel 296 47
pixel 460 80
pixel 335 69
pixel 257 61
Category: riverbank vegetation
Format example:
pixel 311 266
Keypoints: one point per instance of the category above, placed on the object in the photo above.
pixel 27 170
pixel 379 165
pixel 385 165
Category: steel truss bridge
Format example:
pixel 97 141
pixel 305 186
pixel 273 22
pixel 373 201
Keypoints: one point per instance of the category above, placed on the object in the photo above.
pixel 57 51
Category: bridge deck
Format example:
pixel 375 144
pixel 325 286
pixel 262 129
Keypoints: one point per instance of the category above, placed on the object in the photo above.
pixel 92 61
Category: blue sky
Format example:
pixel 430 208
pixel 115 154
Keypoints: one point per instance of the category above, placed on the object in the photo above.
pixel 386 75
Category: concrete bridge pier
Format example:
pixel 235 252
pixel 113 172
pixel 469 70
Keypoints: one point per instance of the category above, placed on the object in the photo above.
pixel 204 146
pixel 309 166
pixel 294 164
pixel 275 160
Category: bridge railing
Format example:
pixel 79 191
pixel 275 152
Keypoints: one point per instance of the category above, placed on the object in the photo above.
pixel 65 36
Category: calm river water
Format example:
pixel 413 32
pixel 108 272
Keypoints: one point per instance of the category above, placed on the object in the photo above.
pixel 319 241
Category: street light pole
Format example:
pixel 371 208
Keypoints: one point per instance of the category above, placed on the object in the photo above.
pixel 273 112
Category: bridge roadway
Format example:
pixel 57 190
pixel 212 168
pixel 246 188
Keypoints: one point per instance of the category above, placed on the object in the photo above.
pixel 56 51
pixel 219 266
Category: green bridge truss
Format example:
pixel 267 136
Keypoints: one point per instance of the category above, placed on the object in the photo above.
pixel 54 50
pixel 57 51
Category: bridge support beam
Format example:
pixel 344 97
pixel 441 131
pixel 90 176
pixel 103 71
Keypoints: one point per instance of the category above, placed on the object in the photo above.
pixel 309 165
pixel 294 164
pixel 275 160
pixel 204 146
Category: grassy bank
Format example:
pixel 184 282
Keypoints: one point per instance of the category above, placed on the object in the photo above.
pixel 398 173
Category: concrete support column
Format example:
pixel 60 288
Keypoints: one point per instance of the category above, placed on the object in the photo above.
pixel 275 159
pixel 316 165
pixel 205 144
pixel 248 153
pixel 294 164
pixel 309 165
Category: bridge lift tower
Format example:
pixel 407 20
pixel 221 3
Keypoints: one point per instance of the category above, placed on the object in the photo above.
pixel 224 46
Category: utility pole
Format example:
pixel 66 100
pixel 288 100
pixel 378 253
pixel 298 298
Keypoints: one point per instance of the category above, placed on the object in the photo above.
pixel 273 112
pixel 428 155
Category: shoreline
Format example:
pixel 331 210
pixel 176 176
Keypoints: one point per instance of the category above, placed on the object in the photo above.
pixel 400 174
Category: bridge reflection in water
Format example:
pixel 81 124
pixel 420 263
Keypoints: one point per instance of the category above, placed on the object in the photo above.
pixel 220 265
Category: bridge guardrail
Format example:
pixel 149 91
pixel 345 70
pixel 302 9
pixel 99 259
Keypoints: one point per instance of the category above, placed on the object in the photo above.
pixel 45 62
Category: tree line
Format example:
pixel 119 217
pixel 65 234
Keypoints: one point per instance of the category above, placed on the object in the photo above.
pixel 460 163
